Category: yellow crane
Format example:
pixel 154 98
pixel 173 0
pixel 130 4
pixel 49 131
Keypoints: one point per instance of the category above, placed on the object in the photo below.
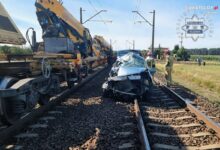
pixel 57 22
pixel 64 55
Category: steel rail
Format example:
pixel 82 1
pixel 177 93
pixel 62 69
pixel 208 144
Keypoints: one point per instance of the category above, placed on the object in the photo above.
pixel 141 127
pixel 186 103
pixel 35 114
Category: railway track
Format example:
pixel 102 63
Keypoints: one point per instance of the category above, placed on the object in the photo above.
pixel 174 123
pixel 7 132
pixel 209 109
pixel 85 120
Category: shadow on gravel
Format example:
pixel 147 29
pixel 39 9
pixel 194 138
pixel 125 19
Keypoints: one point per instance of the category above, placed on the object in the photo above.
pixel 97 122
pixel 92 122
pixel 88 121
pixel 184 92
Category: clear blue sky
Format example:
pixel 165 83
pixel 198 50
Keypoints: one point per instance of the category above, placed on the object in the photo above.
pixel 169 13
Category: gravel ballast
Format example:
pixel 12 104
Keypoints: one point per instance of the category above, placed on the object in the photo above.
pixel 85 120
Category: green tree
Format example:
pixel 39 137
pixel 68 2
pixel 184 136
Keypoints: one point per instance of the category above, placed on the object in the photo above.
pixel 182 54
pixel 176 48
pixel 5 50
pixel 14 50
pixel 158 53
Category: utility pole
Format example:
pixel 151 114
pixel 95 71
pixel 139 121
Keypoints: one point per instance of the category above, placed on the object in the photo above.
pixel 110 43
pixel 151 24
pixel 133 44
pixel 153 31
pixel 181 40
pixel 81 15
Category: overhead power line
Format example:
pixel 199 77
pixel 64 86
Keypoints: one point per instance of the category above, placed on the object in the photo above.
pixel 104 21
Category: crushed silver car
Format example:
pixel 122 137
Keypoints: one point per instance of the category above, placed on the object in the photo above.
pixel 129 78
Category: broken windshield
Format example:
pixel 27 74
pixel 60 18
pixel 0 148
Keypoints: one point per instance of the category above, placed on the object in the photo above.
pixel 132 60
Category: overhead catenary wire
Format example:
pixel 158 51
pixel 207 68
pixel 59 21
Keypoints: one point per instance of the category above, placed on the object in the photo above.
pixel 102 20
pixel 134 17
pixel 91 4
pixel 138 5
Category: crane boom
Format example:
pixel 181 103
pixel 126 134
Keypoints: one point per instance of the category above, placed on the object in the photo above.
pixel 56 21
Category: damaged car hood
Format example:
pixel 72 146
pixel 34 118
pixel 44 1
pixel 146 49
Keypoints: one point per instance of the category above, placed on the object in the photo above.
pixel 129 77
pixel 125 71
pixel 131 63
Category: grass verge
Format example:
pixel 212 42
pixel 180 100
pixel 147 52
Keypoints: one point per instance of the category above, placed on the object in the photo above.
pixel 203 80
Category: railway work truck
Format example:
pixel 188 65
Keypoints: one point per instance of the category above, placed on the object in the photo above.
pixel 65 55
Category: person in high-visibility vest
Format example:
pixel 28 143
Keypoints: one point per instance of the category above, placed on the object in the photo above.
pixel 169 68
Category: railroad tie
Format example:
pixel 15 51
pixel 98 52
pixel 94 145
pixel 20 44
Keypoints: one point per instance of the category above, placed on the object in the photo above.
pixel 125 134
pixel 180 135
pixel 129 117
pixel 61 107
pixel 27 135
pixel 164 96
pixel 167 99
pixel 14 147
pixel 164 146
pixel 173 126
pixel 171 147
pixel 3 127
pixel 126 146
pixel 171 103
pixel 127 124
pixel 165 112
pixel 47 118
pixel 173 107
pixel 178 118
pixel 212 117
pixel 55 112
pixel 36 126
pixel 154 97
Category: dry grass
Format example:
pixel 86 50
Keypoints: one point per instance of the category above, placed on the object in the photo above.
pixel 203 80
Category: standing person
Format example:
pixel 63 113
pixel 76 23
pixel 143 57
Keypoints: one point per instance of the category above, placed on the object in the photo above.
pixel 199 61
pixel 169 68
pixel 151 63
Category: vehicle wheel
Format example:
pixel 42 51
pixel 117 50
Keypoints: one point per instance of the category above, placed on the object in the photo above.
pixel 84 71
pixel 144 96
pixel 70 84
pixel 44 99
pixel 7 82
pixel 107 93
pixel 71 79
pixel 11 110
